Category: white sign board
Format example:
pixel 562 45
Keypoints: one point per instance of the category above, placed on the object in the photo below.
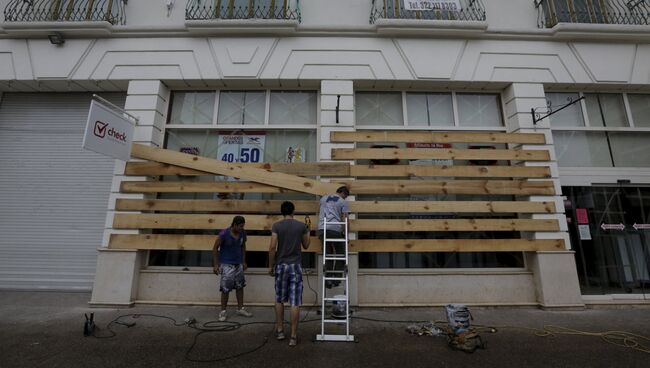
pixel 241 148
pixel 108 132
pixel 585 233
pixel 429 5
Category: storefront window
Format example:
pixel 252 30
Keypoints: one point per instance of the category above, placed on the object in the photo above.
pixel 599 131
pixel 430 109
pixel 479 110
pixel 192 108
pixel 377 108
pixel 241 132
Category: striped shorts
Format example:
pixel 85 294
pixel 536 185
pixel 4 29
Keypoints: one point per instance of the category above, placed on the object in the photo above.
pixel 288 283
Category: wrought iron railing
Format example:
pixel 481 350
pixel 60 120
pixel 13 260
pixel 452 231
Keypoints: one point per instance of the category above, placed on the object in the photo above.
pixel 242 9
pixel 552 12
pixel 468 10
pixel 111 11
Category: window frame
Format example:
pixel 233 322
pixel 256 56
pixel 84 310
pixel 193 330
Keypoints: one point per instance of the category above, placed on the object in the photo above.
pixel 456 115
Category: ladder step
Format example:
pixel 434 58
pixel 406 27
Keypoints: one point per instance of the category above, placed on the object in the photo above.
pixel 334 271
pixel 339 321
pixel 335 223
pixel 332 258
pixel 334 278
pixel 325 337
pixel 336 299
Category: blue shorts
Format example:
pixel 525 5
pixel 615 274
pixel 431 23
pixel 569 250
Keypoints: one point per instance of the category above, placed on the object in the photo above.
pixel 288 284
pixel 232 277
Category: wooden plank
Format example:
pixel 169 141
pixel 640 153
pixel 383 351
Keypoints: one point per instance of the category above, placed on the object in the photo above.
pixel 450 171
pixel 197 187
pixel 438 153
pixel 515 187
pixel 191 221
pixel 456 245
pixel 301 169
pixel 312 207
pixel 264 222
pixel 208 205
pixel 435 137
pixel 451 207
pixel 279 180
pixel 455 225
pixel 191 242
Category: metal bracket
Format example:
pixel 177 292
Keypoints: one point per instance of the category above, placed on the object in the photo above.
pixel 549 111
pixel 338 102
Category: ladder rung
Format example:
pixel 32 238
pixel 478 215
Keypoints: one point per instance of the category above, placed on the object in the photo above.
pixel 334 271
pixel 334 258
pixel 336 299
pixel 334 278
pixel 324 337
pixel 334 223
pixel 339 321
pixel 337 240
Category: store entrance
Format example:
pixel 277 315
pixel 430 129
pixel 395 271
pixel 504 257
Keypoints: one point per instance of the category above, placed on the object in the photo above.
pixel 610 229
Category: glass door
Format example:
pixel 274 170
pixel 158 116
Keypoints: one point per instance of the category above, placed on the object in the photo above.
pixel 609 231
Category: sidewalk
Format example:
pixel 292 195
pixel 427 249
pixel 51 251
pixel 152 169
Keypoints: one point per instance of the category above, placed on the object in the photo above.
pixel 45 329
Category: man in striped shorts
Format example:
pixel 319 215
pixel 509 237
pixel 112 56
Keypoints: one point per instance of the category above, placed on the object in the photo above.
pixel 285 258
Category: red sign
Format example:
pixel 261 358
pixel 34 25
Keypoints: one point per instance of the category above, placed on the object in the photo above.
pixel 427 145
pixel 581 214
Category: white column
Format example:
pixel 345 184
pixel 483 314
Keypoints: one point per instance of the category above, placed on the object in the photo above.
pixel 117 272
pixel 555 273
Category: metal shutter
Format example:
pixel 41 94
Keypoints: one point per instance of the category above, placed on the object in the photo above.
pixel 53 194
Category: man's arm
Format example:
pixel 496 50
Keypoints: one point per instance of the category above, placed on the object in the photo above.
pixel 243 253
pixel 306 238
pixel 215 256
pixel 273 246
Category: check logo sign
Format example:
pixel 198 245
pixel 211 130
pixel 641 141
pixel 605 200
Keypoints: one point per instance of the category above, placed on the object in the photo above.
pixel 100 129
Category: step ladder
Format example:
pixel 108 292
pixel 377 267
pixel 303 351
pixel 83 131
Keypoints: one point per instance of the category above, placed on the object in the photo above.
pixel 334 275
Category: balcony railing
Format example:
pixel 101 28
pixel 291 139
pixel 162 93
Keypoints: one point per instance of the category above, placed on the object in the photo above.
pixel 242 9
pixel 552 12
pixel 111 11
pixel 462 10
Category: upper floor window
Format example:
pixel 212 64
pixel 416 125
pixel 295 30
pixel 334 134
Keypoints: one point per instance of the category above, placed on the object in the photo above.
pixel 437 109
pixel 603 130
pixel 244 108
pixel 242 9
pixel 552 12
pixel 470 10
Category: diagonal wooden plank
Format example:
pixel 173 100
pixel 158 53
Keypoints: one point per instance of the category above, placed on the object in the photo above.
pixel 435 137
pixel 279 180
pixel 300 168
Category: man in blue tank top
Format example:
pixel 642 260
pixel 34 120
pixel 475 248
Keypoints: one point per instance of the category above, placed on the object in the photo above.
pixel 229 260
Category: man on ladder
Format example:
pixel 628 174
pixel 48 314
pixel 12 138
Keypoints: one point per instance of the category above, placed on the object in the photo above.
pixel 333 233
pixel 333 208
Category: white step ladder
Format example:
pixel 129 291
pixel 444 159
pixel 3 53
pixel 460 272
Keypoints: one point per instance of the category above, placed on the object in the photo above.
pixel 341 276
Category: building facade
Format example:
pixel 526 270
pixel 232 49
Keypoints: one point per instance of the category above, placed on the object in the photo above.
pixel 292 72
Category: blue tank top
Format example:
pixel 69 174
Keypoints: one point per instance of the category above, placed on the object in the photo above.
pixel 231 251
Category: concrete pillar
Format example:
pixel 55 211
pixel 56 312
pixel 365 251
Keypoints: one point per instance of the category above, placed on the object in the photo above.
pixel 117 273
pixel 555 274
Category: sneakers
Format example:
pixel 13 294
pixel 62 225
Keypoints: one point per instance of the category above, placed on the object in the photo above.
pixel 293 341
pixel 243 312
pixel 279 335
pixel 223 316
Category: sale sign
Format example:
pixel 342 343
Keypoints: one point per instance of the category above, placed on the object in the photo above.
pixel 241 148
